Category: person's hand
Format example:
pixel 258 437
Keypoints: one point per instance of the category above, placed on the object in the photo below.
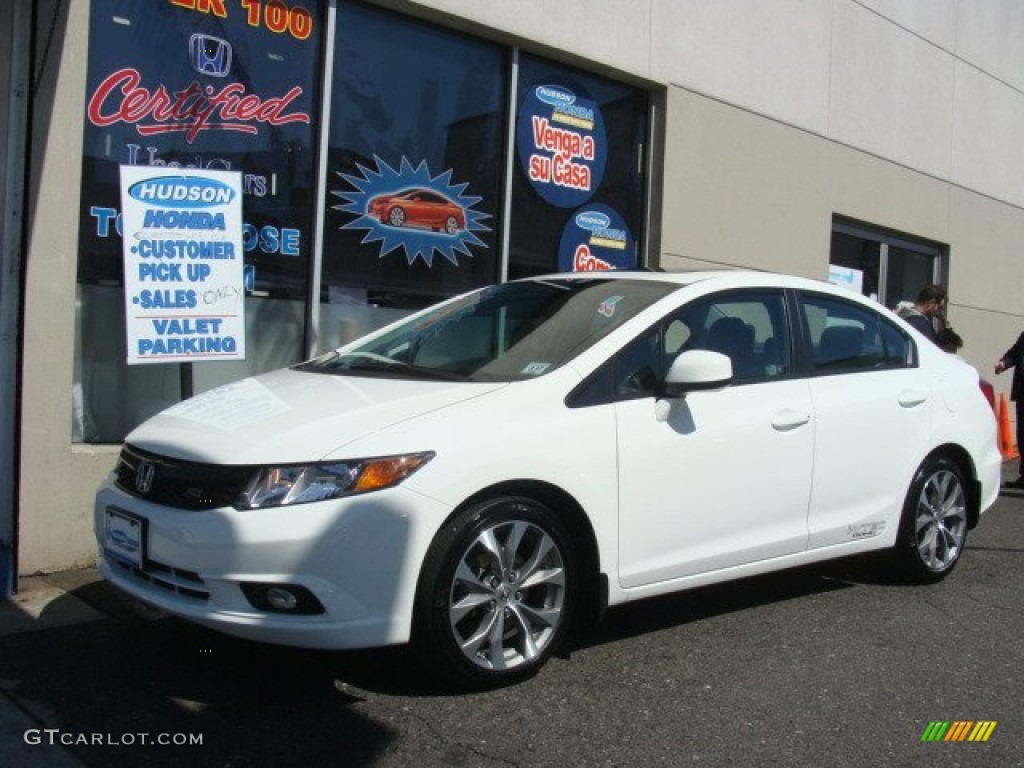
pixel 1000 367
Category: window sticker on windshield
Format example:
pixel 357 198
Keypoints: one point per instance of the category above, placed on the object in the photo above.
pixel 535 369
pixel 607 308
pixel 231 406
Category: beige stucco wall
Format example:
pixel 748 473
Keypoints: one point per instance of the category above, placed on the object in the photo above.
pixel 57 480
pixel 741 190
pixel 986 282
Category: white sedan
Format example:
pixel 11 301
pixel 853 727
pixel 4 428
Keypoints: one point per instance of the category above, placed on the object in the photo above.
pixel 484 475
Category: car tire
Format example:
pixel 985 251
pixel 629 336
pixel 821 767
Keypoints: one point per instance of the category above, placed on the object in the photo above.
pixel 451 225
pixel 396 217
pixel 933 527
pixel 496 593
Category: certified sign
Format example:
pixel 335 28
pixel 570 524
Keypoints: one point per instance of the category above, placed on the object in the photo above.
pixel 183 265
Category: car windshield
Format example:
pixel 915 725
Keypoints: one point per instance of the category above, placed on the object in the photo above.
pixel 508 332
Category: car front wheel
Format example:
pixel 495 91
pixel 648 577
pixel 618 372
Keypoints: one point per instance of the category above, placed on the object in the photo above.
pixel 496 593
pixel 933 530
pixel 396 217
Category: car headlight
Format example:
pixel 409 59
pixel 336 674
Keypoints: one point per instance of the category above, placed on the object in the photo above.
pixel 304 483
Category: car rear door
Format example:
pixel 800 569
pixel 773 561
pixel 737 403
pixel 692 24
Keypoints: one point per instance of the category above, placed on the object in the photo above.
pixel 873 411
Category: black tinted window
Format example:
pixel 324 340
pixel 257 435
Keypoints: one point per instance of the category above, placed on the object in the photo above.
pixel 748 327
pixel 848 337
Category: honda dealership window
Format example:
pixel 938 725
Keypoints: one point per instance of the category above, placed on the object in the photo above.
pixel 414 169
pixel 580 171
pixel 219 86
pixel 430 167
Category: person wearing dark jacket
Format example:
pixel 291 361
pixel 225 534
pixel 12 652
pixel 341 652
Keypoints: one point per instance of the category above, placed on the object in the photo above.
pixel 1014 358
pixel 928 305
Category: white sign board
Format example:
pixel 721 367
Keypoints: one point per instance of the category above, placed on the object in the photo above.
pixel 851 278
pixel 183 263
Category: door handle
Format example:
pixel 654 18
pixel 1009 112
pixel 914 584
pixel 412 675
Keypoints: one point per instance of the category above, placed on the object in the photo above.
pixel 909 398
pixel 788 419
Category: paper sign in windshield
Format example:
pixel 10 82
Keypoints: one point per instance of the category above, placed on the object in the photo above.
pixel 183 265
pixel 232 406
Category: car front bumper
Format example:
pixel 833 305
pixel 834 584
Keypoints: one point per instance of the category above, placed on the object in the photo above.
pixel 359 557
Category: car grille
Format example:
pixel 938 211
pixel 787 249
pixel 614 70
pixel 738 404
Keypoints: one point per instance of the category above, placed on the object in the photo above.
pixel 180 484
pixel 176 580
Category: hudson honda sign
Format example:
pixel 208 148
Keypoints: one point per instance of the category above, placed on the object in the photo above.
pixel 182 265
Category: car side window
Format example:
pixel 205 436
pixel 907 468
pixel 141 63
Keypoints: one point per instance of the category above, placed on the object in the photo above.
pixel 637 368
pixel 749 327
pixel 847 337
pixel 635 372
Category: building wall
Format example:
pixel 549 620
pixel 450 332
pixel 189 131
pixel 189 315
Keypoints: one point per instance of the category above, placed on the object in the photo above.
pixel 57 479
pixel 777 116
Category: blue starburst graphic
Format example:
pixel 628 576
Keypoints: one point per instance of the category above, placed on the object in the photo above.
pixel 412 211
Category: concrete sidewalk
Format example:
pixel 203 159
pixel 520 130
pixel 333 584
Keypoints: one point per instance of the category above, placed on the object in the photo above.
pixel 42 602
pixel 47 601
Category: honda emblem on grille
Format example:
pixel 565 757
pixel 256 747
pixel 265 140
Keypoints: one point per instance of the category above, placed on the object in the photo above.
pixel 209 55
pixel 144 477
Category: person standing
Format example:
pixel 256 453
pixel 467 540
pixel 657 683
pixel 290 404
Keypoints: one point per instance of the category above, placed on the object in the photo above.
pixel 1013 359
pixel 927 306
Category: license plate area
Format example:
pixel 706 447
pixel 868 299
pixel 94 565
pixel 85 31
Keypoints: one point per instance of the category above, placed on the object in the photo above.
pixel 125 537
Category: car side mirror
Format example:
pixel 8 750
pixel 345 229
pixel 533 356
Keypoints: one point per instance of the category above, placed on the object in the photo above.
pixel 693 371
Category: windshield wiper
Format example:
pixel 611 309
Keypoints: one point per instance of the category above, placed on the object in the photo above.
pixel 400 370
pixel 373 363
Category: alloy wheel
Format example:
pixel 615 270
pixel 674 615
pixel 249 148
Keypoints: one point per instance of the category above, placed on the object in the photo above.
pixel 507 595
pixel 940 521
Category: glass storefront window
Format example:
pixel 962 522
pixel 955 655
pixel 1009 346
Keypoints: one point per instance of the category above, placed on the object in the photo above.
pixel 424 175
pixel 860 254
pixel 909 271
pixel 224 86
pixel 889 268
pixel 414 169
pixel 580 171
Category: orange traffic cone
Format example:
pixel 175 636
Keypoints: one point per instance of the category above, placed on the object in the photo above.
pixel 1006 445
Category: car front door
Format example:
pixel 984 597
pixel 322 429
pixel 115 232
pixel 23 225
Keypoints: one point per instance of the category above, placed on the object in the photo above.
pixel 724 480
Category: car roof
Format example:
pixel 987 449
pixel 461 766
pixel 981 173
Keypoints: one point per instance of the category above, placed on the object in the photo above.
pixel 724 278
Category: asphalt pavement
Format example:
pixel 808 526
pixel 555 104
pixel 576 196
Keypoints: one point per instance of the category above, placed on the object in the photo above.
pixel 834 665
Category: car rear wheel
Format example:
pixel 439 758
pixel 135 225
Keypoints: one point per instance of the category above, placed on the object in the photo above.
pixel 396 217
pixel 496 593
pixel 933 529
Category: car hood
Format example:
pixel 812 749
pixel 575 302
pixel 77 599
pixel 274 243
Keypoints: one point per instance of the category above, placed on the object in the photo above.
pixel 292 416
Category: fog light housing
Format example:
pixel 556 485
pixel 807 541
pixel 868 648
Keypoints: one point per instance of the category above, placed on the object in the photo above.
pixel 293 599
pixel 281 599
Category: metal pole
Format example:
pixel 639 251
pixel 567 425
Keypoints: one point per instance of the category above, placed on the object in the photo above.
pixel 11 236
